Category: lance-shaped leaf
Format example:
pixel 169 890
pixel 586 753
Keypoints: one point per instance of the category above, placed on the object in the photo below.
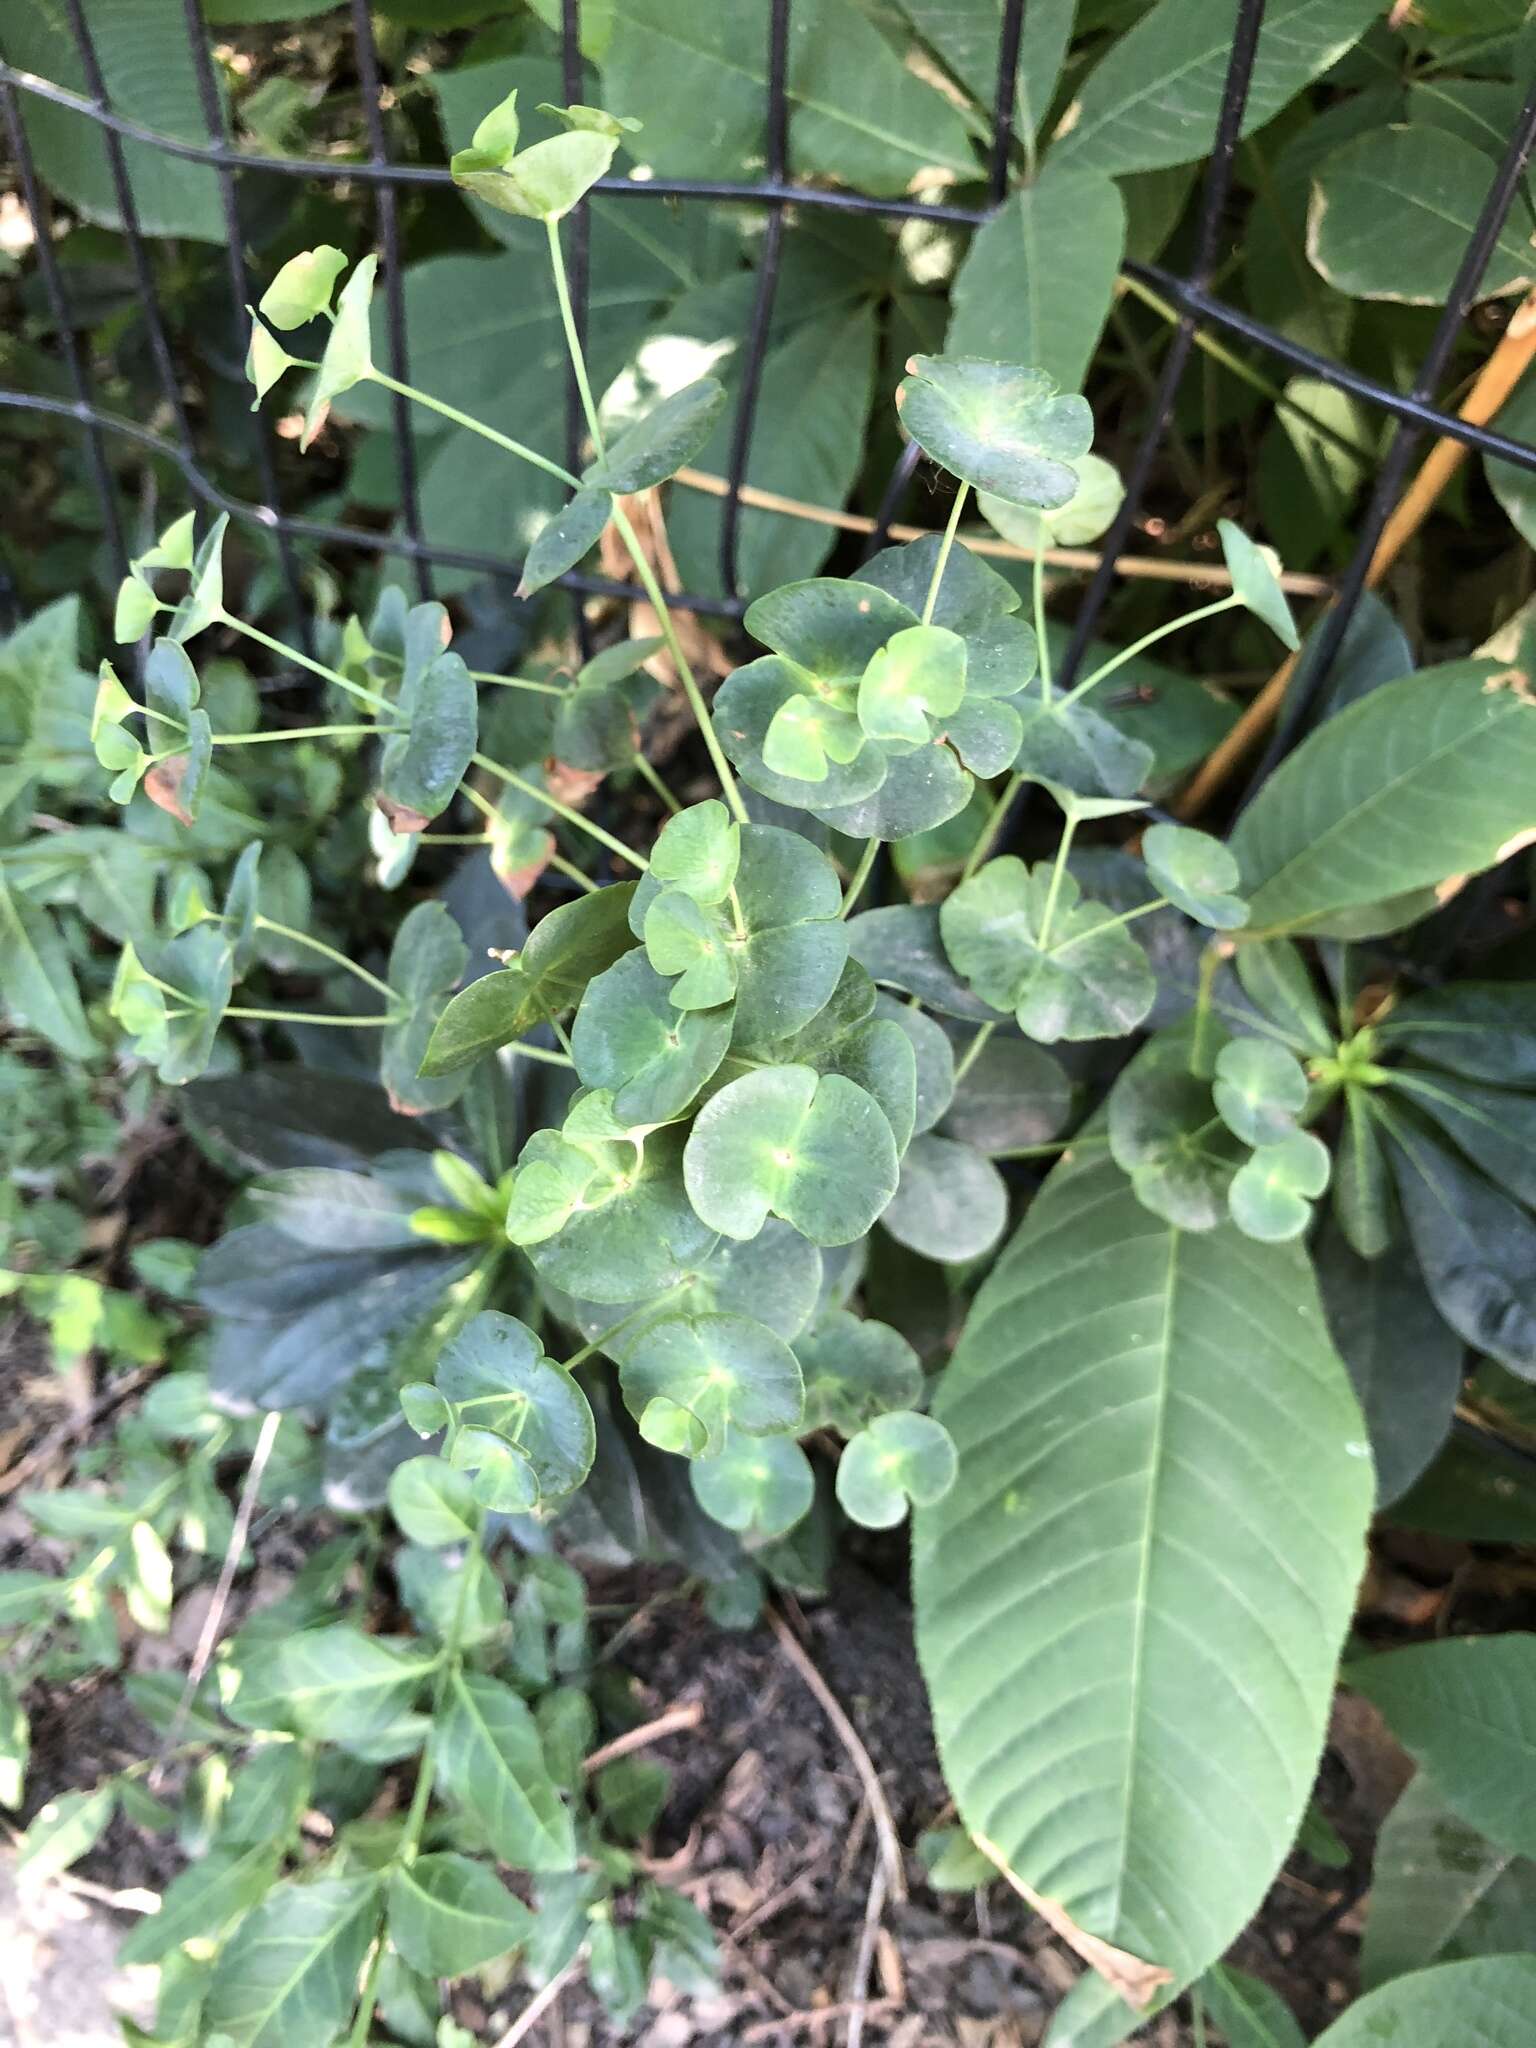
pixel 564 538
pixel 63 1830
pixel 1478 1028
pixel 328 1684
pixel 302 289
pixel 1271 1193
pixel 894 1462
pixel 1255 581
pixel 1121 1616
pixel 1158 1114
pixel 1089 979
pixel 1000 427
pixel 1441 1891
pixel 424 762
pixel 688 1380
pixel 204 1900
pixel 1260 1090
pixel 1196 873
pixel 629 1037
pixel 814 1149
pixel 38 976
pixel 492 1762
pixel 290 1972
pixel 497 1381
pixel 918 675
pixel 1495 1127
pixel 698 852
pixel 683 939
pixel 348 356
pixel 203 603
pixel 427 958
pixel 564 951
pixel 449 1914
pixel 658 445
pixel 1404 794
pixel 758 1486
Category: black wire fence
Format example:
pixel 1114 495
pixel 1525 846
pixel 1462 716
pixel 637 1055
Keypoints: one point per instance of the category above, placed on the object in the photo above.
pixel 1414 411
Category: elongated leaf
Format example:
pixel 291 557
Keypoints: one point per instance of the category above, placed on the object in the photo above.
pixel 968 34
pixel 1478 1028
pixel 290 1973
pixel 1153 100
pixel 1248 2011
pixel 1392 213
pixel 493 1764
pixel 697 75
pixel 1411 789
pixel 1440 1891
pixel 1036 283
pixel 1485 2003
pixel 1129 1607
pixel 333 1684
pixel 1433 1694
pixel 37 979
pixel 449 1914
pixel 203 1900
pixel 63 1830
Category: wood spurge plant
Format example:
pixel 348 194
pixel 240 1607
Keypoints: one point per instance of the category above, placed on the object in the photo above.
pixel 712 1115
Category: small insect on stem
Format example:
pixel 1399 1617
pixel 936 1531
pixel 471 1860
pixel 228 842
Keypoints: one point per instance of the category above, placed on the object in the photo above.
pixel 1138 693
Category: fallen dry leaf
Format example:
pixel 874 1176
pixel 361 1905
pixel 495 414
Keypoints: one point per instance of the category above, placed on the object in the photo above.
pixel 1137 1982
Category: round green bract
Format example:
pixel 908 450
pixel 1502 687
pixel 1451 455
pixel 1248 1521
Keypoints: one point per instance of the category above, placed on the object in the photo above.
pixel 895 1461
pixel 725 1371
pixel 629 1037
pixel 1196 873
pixel 854 1369
pixel 497 1378
pixel 1260 1090
pixel 758 1486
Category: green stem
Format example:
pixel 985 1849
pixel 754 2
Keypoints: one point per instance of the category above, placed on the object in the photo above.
pixel 684 667
pixel 285 931
pixel 860 875
pixel 572 338
pixel 1047 916
pixel 951 528
pixel 973 1052
pixel 992 827
pixel 1108 924
pixel 613 1330
pixel 316 668
pixel 1042 645
pixel 561 810
pixel 480 675
pixel 538 1052
pixel 1210 960
pixel 1205 611
pixel 309 1017
pixel 463 419
pixel 301 732
pixel 649 774
pixel 572 873
pixel 1054 1145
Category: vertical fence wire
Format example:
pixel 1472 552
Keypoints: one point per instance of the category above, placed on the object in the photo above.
pixel 1311 675
pixel 239 297
pixel 387 220
pixel 41 216
pixel 127 206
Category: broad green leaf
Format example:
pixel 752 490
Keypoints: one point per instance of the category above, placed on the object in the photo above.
pixel 698 852
pixel 972 600
pixel 1088 979
pixel 933 1067
pixel 290 1973
pixel 1271 1193
pixel 432 1502
pixel 1495 1127
pixel 1074 746
pixel 202 1902
pixel 1277 980
pixel 493 1764
pixel 687 1380
pixel 831 629
pixel 1482 2003
pixel 894 1462
pixel 1158 1123
pixel 1432 1693
pixel 999 426
pixel 1478 1028
pixel 758 1486
pixel 854 1369
pixel 1153 99
pixel 332 1684
pixel 815 1149
pixel 1255 581
pixel 658 445
pixel 1409 790
pixel 61 1832
pixel 920 791
pixel 1259 1091
pixel 1121 1616
pixel 967 35
pixel 697 76
pixel 1196 873
pixel 1475 1247
pixel 1440 1891
pixel 496 1377
pixel 1039 277
pixel 630 1037
pixel 151 78
pixel 1393 210
pixel 1248 2011
pixel 950 1202
pixel 38 977
pixel 449 1914
pixel 565 537
pixel 880 1057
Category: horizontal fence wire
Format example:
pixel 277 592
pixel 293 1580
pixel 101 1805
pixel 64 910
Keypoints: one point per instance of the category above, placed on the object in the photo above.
pixel 1414 412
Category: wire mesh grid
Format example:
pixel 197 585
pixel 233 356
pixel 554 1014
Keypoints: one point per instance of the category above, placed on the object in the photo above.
pixel 1414 412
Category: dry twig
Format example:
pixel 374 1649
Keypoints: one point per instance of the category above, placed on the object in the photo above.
pixel 673 1722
